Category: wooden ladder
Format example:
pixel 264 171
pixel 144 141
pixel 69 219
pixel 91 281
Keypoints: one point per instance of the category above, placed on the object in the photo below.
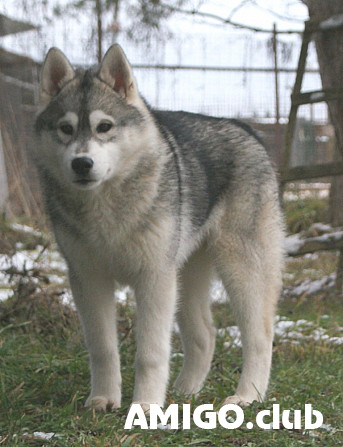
pixel 289 174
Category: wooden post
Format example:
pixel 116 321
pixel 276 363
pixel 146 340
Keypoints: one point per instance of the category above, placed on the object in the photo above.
pixel 3 180
pixel 339 274
pixel 277 96
pixel 287 149
pixel 98 9
pixel 276 75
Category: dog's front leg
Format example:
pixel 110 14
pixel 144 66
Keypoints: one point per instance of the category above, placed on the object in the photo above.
pixel 156 299
pixel 93 293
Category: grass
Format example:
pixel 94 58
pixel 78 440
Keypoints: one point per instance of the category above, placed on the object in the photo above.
pixel 302 213
pixel 45 380
pixel 44 377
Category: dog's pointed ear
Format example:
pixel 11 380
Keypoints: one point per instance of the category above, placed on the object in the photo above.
pixel 116 71
pixel 56 72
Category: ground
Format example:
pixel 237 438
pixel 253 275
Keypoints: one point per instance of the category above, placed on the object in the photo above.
pixel 44 377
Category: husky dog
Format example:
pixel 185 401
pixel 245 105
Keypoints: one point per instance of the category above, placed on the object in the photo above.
pixel 159 201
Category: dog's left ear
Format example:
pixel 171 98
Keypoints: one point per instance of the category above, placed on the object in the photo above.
pixel 116 71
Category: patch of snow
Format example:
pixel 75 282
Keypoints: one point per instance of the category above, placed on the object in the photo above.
pixel 293 243
pixel 282 327
pixel 218 293
pixel 67 298
pixel 303 191
pixel 336 236
pixel 164 427
pixel 320 227
pixel 36 435
pixel 313 256
pixel 56 279
pixel 25 229
pixel 234 333
pixel 37 259
pixel 121 295
pixel 56 262
pixel 336 340
pixel 5 294
pixel 287 331
pixel 296 195
pixel 20 260
pixel 288 275
pixel 295 331
pixel 177 354
pixel 42 435
pixel 310 287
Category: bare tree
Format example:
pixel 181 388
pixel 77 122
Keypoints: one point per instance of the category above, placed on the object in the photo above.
pixel 144 17
pixel 329 46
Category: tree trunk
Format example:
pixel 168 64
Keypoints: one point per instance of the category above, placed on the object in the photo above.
pixel 98 9
pixel 329 46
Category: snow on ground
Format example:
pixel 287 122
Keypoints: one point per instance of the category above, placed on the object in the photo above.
pixel 293 243
pixel 48 262
pixel 310 287
pixel 25 229
pixel 305 190
pixel 218 293
pixel 318 232
pixel 288 331
pixel 37 435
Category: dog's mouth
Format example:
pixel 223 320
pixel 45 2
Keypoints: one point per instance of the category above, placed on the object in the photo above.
pixel 84 181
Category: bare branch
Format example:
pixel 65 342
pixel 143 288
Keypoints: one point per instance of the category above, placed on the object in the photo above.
pixel 208 15
pixel 278 15
pixel 330 241
pixel 240 6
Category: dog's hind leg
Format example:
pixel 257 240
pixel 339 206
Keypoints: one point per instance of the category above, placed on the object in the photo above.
pixel 195 323
pixel 250 267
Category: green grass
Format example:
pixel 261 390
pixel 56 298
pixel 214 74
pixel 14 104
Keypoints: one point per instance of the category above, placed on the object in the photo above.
pixel 44 382
pixel 44 376
pixel 302 213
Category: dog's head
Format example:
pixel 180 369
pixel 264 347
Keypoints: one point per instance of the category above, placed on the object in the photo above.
pixel 93 123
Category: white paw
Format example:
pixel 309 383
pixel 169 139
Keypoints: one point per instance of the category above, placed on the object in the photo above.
pixel 145 407
pixel 187 385
pixel 102 403
pixel 237 400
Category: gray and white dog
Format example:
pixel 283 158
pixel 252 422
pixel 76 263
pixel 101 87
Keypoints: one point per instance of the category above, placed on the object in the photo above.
pixel 158 201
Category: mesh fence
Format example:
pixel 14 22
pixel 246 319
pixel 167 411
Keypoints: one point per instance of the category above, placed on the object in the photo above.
pixel 228 74
pixel 226 92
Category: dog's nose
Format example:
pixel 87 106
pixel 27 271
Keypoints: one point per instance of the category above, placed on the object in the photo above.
pixel 82 165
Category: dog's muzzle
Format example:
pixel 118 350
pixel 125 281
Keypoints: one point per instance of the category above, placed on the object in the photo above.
pixel 82 167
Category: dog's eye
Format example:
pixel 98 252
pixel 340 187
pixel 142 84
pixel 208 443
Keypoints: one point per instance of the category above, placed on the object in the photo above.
pixel 104 127
pixel 67 129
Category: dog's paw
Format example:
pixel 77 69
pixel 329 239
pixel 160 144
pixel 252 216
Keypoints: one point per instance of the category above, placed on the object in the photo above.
pixel 101 403
pixel 145 407
pixel 187 385
pixel 237 400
